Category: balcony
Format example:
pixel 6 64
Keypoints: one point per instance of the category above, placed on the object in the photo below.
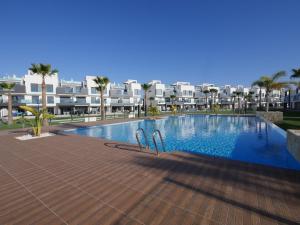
pixel 20 89
pixel 200 101
pixel 119 93
pixel 122 102
pixel 160 102
pixel 296 98
pixel 71 102
pixel 14 102
pixel 71 91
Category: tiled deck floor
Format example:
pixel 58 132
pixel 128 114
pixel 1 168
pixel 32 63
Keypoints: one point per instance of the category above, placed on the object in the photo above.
pixel 81 180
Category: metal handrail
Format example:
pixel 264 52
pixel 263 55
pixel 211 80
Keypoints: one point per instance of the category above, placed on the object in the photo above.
pixel 145 137
pixel 161 140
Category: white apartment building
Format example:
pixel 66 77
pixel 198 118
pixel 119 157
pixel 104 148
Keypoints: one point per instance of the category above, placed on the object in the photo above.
pixel 204 97
pixel 70 97
pixel 126 96
pixel 156 94
pixel 82 97
pixel 183 93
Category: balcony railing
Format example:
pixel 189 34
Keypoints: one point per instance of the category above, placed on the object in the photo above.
pixel 72 91
pixel 121 101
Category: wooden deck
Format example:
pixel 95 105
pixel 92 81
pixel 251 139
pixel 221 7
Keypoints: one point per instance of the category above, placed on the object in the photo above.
pixel 69 179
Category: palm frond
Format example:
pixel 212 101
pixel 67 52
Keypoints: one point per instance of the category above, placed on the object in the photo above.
pixel 214 90
pixel 296 73
pixel 42 69
pixel 278 75
pixel 29 109
pixel 279 85
pixel 258 83
pixel 53 72
pixel 146 87
pixel 7 86
pixel 101 82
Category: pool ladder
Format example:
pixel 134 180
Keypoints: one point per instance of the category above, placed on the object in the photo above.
pixel 147 142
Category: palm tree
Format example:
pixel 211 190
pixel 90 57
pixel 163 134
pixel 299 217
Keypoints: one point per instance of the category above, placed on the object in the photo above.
pixel 8 88
pixel 260 84
pixel 238 94
pixel 39 117
pixel 206 97
pixel 271 83
pixel 145 87
pixel 43 70
pixel 296 73
pixel 233 96
pixel 151 100
pixel 172 97
pixel 248 98
pixel 101 83
pixel 213 91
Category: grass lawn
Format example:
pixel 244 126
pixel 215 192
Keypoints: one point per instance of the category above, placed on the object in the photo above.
pixel 16 125
pixel 289 123
pixel 4 126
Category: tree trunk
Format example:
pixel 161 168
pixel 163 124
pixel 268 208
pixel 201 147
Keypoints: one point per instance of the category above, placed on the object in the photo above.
pixel 145 104
pixel 289 100
pixel 211 102
pixel 239 104
pixel 267 102
pixel 44 100
pixel 9 109
pixel 102 105
pixel 260 98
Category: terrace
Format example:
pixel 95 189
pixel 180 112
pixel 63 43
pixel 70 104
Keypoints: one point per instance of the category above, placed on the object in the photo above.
pixel 92 181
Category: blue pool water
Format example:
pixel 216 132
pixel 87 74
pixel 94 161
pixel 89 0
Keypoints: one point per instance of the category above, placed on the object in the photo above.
pixel 248 139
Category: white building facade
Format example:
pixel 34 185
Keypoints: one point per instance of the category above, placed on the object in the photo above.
pixel 81 97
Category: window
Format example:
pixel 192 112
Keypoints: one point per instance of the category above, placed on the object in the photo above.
pixel 137 92
pixel 95 100
pixel 35 99
pixel 35 88
pixel 159 91
pixel 50 99
pixel 65 100
pixel 94 90
pixel 18 99
pixel 68 90
pixel 49 88
pixel 80 100
pixel 77 89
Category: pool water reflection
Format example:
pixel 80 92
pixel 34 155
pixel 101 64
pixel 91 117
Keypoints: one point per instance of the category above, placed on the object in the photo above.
pixel 248 139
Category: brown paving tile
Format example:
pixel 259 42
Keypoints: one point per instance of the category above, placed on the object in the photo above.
pixel 177 216
pixel 5 178
pixel 199 220
pixel 14 164
pixel 126 200
pixel 71 204
pixel 148 209
pixel 103 189
pixel 12 197
pixel 30 213
pixel 84 181
pixel 107 216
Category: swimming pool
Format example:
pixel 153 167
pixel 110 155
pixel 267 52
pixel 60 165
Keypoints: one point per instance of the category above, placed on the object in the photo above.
pixel 247 139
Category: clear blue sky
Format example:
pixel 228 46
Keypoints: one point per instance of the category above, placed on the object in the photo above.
pixel 218 41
